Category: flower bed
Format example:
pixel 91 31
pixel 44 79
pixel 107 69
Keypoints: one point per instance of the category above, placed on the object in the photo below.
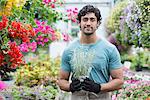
pixel 26 93
pixel 35 80
pixel 136 87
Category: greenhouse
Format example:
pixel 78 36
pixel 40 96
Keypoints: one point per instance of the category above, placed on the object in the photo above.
pixel 74 50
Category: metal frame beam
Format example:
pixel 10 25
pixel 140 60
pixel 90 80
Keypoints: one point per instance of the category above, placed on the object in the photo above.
pixel 93 3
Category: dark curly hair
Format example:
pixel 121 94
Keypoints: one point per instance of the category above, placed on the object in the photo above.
pixel 89 9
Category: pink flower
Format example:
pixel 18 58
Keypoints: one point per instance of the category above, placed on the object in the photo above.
pixel 52 5
pixel 74 20
pixel 2 85
pixel 41 43
pixel 46 39
pixel 53 38
pixel 37 22
pixel 46 1
pixel 33 46
pixel 52 32
pixel 66 37
pixel 40 38
pixel 75 8
pixel 36 30
pixel 72 14
pixel 24 47
pixel 47 27
pixel 114 97
pixel 43 23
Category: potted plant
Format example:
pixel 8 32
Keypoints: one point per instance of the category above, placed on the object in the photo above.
pixel 12 35
pixel 130 25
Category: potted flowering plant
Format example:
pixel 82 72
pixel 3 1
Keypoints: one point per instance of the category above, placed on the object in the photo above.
pixel 12 35
pixel 25 31
pixel 17 34
pixel 27 93
pixel 136 86
pixel 131 25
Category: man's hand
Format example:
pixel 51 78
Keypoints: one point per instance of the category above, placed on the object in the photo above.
pixel 75 85
pixel 91 86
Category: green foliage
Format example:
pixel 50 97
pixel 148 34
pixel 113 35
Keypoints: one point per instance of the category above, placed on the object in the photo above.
pixel 141 93
pixel 144 5
pixel 145 35
pixel 38 72
pixel 145 9
pixel 35 9
pixel 126 35
pixel 113 22
pixel 2 4
pixel 81 62
pixel 136 87
pixel 26 93
pixel 141 58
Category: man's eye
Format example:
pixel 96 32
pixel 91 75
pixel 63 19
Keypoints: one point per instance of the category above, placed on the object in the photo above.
pixel 92 19
pixel 85 19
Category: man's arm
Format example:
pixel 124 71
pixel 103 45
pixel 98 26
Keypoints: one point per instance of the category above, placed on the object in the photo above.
pixel 63 80
pixel 116 82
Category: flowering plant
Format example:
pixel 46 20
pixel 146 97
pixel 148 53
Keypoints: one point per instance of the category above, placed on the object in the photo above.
pixel 132 23
pixel 12 35
pixel 38 72
pixel 7 6
pixel 131 18
pixel 72 14
pixel 28 26
pixel 34 93
pixel 2 85
pixel 136 86
pixel 45 33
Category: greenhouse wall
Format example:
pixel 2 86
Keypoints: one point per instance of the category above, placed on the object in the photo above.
pixel 105 6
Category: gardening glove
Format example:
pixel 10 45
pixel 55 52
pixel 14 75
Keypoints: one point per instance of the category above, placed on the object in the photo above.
pixel 91 86
pixel 75 85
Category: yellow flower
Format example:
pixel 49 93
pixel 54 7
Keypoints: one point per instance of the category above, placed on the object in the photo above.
pixel 7 9
pixel 1 13
pixel 10 3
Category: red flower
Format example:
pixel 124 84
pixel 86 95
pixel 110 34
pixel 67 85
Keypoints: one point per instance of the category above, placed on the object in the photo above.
pixel 4 23
pixel 18 33
pixel 52 5
pixel 21 31
pixel 1 59
pixel 15 55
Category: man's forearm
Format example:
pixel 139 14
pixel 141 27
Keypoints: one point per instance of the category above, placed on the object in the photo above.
pixel 115 84
pixel 64 85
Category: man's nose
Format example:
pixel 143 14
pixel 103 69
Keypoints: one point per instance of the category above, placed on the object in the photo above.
pixel 88 22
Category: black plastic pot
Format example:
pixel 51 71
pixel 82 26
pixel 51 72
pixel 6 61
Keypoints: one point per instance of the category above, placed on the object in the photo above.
pixel 138 68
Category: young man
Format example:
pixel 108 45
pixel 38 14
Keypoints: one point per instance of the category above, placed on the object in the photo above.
pixel 104 64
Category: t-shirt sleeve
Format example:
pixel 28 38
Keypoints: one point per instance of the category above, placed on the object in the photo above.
pixel 65 65
pixel 115 60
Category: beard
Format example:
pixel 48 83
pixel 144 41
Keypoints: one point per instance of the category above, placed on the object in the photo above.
pixel 88 32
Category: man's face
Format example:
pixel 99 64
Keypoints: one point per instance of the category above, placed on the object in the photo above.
pixel 88 24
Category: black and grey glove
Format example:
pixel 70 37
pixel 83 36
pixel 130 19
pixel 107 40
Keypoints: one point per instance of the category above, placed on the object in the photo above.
pixel 91 86
pixel 75 85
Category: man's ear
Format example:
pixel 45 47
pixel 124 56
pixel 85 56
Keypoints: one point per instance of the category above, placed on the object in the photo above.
pixel 98 24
